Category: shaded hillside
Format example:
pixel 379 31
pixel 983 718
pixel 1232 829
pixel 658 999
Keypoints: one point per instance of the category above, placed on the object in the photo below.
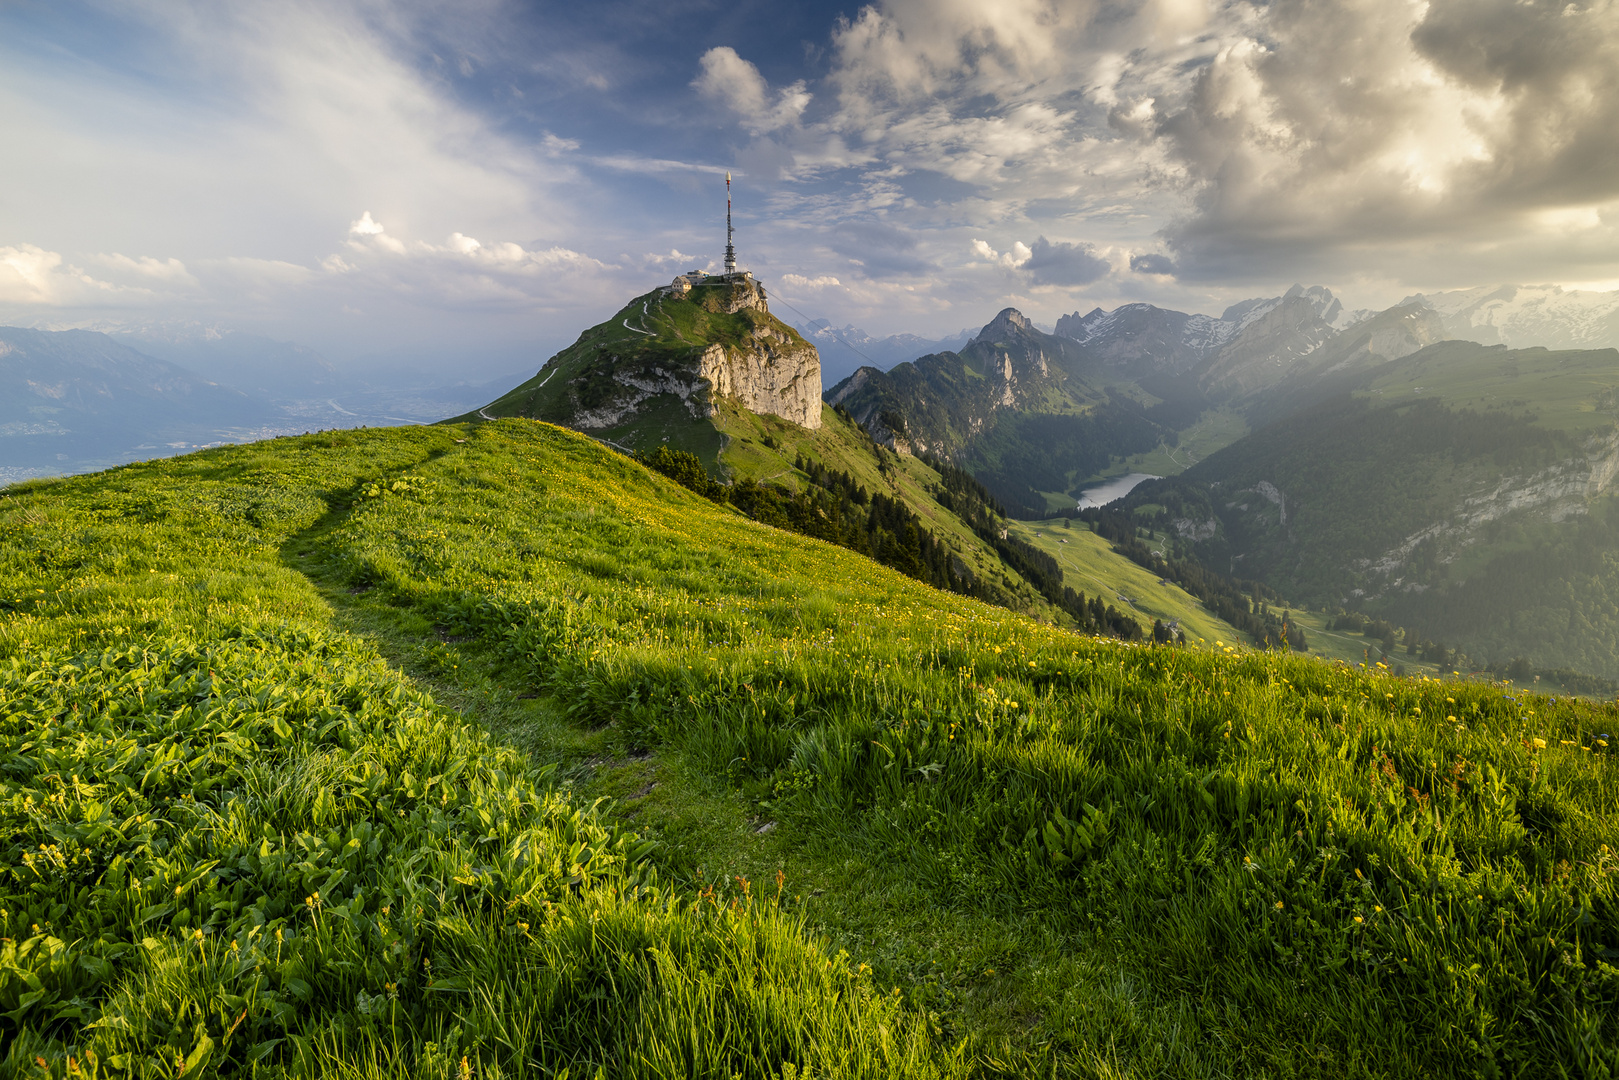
pixel 939 404
pixel 1019 408
pixel 1430 495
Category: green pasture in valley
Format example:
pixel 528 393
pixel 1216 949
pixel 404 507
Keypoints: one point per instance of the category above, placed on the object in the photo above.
pixel 1214 430
pixel 1571 390
pixel 301 744
pixel 1090 565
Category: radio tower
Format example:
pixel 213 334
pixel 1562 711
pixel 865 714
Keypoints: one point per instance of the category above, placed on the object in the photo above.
pixel 730 249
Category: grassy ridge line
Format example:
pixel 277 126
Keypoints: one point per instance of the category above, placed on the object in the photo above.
pixel 1408 872
pixel 235 841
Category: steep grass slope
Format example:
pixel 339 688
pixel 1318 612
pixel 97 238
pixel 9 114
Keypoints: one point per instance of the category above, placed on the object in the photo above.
pixel 1090 565
pixel 1219 864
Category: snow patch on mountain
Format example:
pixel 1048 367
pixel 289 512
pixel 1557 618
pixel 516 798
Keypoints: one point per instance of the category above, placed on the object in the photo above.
pixel 1523 316
pixel 1204 335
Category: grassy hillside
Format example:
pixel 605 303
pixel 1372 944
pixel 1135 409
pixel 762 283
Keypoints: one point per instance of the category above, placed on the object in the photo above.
pixel 1005 849
pixel 236 841
pixel 657 334
pixel 1571 390
pixel 1090 565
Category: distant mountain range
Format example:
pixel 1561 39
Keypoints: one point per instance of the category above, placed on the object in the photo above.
pixel 1523 316
pixel 78 400
pixel 1141 338
pixel 1379 461
pixel 845 349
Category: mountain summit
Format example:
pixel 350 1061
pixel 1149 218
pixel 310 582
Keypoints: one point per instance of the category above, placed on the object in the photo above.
pixel 936 403
pixel 678 350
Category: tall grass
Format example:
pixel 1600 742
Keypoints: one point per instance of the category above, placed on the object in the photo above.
pixel 233 841
pixel 1356 871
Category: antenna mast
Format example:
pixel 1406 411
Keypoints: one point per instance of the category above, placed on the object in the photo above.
pixel 730 249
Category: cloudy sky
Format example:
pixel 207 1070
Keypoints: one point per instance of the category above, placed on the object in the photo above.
pixel 475 181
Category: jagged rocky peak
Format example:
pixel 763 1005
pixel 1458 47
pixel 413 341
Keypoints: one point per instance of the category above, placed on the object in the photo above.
pixel 1010 324
pixel 1319 297
pixel 1077 327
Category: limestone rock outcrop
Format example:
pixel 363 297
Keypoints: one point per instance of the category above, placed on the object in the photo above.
pixel 701 340
pixel 774 375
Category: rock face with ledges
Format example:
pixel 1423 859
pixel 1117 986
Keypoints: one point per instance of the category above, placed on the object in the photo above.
pixel 703 340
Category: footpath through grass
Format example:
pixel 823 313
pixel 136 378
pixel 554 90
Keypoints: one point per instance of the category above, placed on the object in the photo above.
pixel 1080 857
pixel 235 841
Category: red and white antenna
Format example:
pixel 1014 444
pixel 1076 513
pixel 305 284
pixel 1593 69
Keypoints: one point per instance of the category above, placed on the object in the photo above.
pixel 730 249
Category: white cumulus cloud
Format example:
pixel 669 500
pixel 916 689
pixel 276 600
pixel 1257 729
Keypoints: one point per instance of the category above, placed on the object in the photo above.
pixel 725 77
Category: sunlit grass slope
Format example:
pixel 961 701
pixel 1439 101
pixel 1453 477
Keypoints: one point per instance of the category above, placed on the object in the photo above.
pixel 233 841
pixel 1090 565
pixel 1293 868
pixel 1570 389
pixel 1344 868
pixel 655 332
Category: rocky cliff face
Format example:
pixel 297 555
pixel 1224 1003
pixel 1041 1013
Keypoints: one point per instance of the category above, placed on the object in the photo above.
pixel 698 342
pixel 772 374
pixel 1555 494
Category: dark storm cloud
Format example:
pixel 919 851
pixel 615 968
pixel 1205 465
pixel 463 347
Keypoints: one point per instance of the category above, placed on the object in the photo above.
pixel 1557 64
pixel 1354 125
pixel 1151 264
pixel 1062 263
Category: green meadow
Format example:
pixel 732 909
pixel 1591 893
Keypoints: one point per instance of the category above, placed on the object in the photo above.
pixel 480 750
pixel 1090 565
pixel 1571 390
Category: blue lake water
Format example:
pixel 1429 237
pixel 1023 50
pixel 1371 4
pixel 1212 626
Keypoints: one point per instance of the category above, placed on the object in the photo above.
pixel 1108 491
